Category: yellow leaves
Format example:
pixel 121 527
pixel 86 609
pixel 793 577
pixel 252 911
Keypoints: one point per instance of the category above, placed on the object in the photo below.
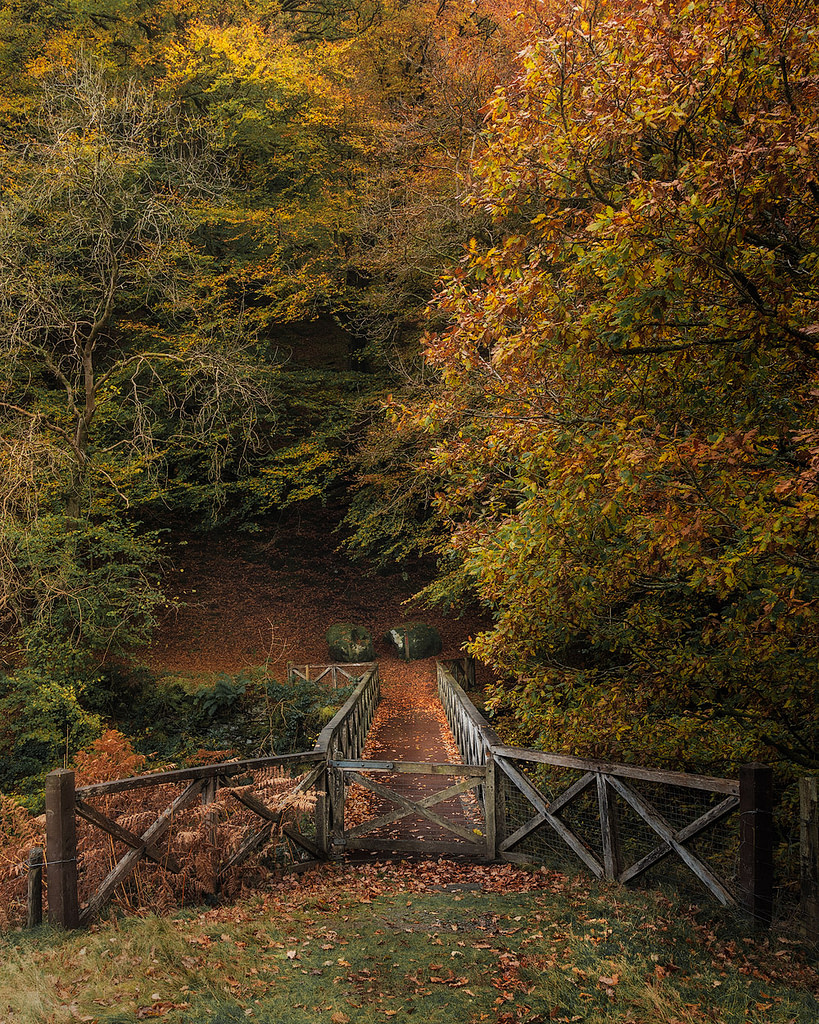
pixel 254 79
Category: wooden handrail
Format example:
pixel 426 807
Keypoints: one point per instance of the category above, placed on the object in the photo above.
pixel 682 779
pixel 333 727
pixel 205 771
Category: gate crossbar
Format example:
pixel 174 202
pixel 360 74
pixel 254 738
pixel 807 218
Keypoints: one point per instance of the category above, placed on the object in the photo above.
pixel 408 807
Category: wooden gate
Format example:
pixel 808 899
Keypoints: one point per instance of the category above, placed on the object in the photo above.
pixel 411 807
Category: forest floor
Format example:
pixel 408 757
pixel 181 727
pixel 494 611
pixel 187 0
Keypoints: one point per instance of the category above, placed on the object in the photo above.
pixel 433 941
pixel 236 601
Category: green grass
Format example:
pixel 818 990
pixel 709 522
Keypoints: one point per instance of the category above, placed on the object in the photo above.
pixel 349 945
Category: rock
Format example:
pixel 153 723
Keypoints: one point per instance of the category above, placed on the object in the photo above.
pixel 349 643
pixel 415 640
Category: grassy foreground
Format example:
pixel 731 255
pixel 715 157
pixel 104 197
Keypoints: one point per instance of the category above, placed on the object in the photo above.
pixel 434 942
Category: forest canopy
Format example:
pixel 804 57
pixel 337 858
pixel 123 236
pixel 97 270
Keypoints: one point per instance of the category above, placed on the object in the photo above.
pixel 572 255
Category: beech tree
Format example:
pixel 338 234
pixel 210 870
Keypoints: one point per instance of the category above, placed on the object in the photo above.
pixel 626 423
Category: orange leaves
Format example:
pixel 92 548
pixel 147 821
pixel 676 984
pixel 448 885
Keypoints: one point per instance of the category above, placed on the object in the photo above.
pixel 110 757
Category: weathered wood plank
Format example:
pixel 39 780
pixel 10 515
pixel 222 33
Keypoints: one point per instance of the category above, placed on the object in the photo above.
pixel 490 809
pixel 412 806
pixel 61 849
pixel 626 771
pixel 518 858
pixel 609 829
pixel 322 813
pixel 250 843
pixel 521 833
pixel 577 787
pixel 101 821
pixel 34 899
pixel 539 802
pixel 207 771
pixel 711 816
pixel 338 798
pixel 428 847
pixel 410 767
pixel 129 861
pixel 254 804
pixel 303 841
pixel 652 817
pixel 427 801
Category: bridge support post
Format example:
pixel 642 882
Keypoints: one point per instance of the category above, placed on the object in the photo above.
pixel 337 795
pixel 323 812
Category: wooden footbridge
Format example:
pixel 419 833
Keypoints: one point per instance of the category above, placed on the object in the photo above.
pixel 618 822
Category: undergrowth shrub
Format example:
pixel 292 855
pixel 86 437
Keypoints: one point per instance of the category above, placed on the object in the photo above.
pixel 202 838
pixel 43 724
pixel 294 714
pixel 176 716
pixel 19 832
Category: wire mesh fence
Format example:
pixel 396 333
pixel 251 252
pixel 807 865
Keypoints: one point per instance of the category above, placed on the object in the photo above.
pixel 715 845
pixel 162 845
pixel 701 835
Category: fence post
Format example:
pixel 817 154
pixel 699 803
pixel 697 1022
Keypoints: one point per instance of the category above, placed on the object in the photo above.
pixel 490 808
pixel 61 849
pixel 609 828
pixel 756 841
pixel 323 811
pixel 209 795
pixel 809 853
pixel 34 916
pixel 337 797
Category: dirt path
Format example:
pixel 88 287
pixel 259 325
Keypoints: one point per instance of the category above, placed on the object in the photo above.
pixel 244 602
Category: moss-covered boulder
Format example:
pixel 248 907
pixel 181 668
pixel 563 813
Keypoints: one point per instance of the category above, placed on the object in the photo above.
pixel 414 640
pixel 349 643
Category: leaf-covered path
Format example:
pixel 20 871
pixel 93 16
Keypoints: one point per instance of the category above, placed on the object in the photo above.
pixel 246 602
pixel 243 602
pixel 410 725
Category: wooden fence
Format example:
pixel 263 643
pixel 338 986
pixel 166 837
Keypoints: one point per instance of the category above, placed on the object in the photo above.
pixel 603 814
pixel 620 822
pixel 462 670
pixel 343 737
pixel 334 675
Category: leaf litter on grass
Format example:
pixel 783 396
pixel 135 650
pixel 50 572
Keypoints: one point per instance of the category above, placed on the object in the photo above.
pixel 385 941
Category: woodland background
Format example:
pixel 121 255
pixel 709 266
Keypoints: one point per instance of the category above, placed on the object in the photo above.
pixel 531 295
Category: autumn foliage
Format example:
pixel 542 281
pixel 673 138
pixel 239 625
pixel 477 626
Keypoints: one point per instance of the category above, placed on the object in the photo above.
pixel 625 432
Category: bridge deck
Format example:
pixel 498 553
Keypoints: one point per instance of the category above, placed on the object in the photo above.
pixel 410 725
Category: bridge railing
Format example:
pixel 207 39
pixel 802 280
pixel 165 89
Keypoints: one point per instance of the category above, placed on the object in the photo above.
pixel 331 675
pixel 344 735
pixel 621 822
